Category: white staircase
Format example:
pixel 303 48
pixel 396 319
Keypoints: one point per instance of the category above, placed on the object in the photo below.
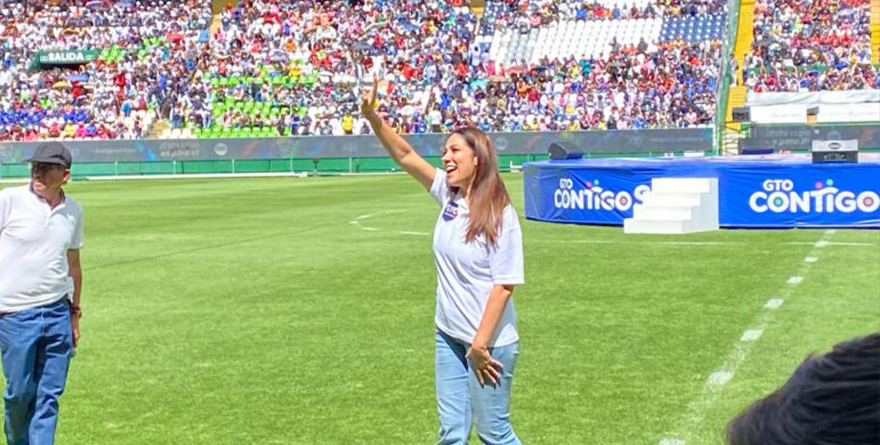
pixel 676 205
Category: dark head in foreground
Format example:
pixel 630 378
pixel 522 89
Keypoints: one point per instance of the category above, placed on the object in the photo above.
pixel 832 399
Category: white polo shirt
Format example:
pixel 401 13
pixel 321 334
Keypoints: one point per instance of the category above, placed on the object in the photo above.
pixel 466 272
pixel 34 240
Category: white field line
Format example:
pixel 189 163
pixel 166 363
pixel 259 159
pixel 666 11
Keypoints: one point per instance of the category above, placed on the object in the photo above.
pixel 358 222
pixel 683 431
pixel 701 243
pixel 826 243
pixel 751 335
pixel 774 303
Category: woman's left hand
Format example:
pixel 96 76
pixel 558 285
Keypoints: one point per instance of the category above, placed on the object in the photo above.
pixel 485 367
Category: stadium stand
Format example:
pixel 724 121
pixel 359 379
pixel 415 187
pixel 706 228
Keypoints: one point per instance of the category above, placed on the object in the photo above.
pixel 289 68
pixel 629 50
pixel 280 68
pixel 811 46
pixel 126 63
pixel 801 52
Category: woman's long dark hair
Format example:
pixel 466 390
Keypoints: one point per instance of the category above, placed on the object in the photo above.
pixel 488 196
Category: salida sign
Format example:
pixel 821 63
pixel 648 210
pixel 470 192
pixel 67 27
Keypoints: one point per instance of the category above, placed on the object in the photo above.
pixel 69 57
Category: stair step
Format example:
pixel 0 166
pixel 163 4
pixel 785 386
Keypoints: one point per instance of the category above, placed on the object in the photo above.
pixel 681 185
pixel 665 213
pixel 675 206
pixel 672 199
pixel 656 226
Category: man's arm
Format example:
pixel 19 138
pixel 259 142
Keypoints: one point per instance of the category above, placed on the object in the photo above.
pixel 75 272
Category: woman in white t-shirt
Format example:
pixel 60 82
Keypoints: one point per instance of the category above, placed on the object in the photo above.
pixel 478 252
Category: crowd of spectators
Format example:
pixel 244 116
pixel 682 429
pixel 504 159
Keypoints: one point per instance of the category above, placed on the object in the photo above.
pixel 632 89
pixel 148 50
pixel 810 45
pixel 527 14
pixel 293 68
pixel 323 48
pixel 434 81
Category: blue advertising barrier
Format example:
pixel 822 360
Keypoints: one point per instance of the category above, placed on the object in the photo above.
pixel 763 192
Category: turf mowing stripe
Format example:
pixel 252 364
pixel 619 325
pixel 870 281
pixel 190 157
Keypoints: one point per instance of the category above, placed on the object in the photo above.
pixel 204 248
pixel 715 382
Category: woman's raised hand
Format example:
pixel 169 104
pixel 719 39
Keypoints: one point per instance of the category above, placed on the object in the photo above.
pixel 368 101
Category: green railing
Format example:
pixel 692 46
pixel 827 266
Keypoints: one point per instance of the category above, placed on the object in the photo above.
pixel 316 166
pixel 244 166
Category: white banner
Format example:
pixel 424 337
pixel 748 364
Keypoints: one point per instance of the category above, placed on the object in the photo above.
pixel 813 98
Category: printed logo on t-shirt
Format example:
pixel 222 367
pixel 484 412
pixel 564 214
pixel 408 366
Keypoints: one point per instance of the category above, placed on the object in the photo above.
pixel 450 212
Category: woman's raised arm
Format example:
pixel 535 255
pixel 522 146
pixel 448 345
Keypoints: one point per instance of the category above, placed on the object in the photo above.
pixel 394 144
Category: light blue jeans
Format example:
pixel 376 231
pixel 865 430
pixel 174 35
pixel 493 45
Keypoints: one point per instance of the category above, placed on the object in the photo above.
pixel 37 345
pixel 461 397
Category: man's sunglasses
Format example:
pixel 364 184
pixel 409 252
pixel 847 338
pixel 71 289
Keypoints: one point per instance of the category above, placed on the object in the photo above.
pixel 43 167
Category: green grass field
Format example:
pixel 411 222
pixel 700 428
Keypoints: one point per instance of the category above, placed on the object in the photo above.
pixel 253 311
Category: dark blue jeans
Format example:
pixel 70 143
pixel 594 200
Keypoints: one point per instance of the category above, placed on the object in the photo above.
pixel 37 345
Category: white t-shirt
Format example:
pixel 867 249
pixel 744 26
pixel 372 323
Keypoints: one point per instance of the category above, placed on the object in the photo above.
pixel 466 272
pixel 34 240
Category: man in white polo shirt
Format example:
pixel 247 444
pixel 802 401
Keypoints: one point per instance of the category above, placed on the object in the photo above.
pixel 41 231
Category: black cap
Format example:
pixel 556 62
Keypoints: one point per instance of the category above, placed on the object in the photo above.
pixel 52 153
